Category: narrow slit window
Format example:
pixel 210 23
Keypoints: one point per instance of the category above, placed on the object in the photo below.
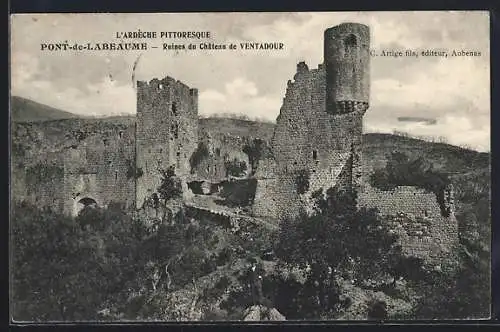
pixel 174 108
pixel 350 42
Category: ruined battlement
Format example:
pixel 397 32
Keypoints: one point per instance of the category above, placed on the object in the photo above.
pixel 166 92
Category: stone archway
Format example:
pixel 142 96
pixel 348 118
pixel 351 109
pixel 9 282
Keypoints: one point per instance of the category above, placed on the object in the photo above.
pixel 85 202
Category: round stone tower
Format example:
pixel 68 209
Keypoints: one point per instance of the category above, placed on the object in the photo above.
pixel 347 59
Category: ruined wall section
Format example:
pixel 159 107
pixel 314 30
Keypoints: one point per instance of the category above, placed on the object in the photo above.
pixel 277 198
pixel 222 147
pixel 290 139
pixel 415 216
pixel 101 168
pixel 42 169
pixel 266 201
pixel 309 138
pixel 166 132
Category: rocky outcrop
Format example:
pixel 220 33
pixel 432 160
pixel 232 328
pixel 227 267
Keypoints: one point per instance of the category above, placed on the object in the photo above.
pixel 262 313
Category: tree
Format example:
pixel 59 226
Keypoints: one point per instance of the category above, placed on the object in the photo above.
pixel 63 271
pixel 170 187
pixel 328 244
pixel 254 150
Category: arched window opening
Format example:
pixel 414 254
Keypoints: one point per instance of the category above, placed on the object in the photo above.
pixel 85 204
pixel 87 201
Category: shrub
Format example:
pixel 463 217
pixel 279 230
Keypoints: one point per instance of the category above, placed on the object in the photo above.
pixel 256 150
pixel 170 186
pixel 235 167
pixel 377 310
pixel 133 172
pixel 62 271
pixel 302 181
pixel 239 192
pixel 225 256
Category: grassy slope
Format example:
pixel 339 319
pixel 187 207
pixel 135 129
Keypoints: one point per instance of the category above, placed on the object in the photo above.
pixel 238 127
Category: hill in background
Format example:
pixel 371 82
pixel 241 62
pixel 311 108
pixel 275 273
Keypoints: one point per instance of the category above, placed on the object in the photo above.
pixel 25 110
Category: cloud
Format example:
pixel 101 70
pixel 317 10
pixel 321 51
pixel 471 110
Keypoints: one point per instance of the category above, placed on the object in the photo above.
pixel 239 96
pixel 104 97
pixel 456 130
pixel 426 121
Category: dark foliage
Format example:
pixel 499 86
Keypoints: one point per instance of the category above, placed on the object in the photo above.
pixel 401 170
pixel 256 149
pixel 328 242
pixel 239 192
pixel 235 167
pixel 225 256
pixel 377 310
pixel 218 290
pixel 459 292
pixel 63 271
pixel 244 297
pixel 198 155
pixel 170 186
pixel 302 181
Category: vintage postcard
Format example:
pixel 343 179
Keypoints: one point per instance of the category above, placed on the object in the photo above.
pixel 250 166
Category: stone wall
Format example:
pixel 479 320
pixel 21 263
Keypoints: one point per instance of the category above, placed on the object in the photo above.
pixel 308 138
pixel 278 198
pixel 167 131
pixel 44 186
pixel 51 159
pixel 221 148
pixel 100 169
pixel 415 216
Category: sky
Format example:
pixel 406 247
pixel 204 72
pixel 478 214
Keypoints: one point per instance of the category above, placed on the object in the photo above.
pixel 424 96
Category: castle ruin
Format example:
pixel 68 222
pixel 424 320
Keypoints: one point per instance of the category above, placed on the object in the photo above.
pixel 319 129
pixel 317 137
